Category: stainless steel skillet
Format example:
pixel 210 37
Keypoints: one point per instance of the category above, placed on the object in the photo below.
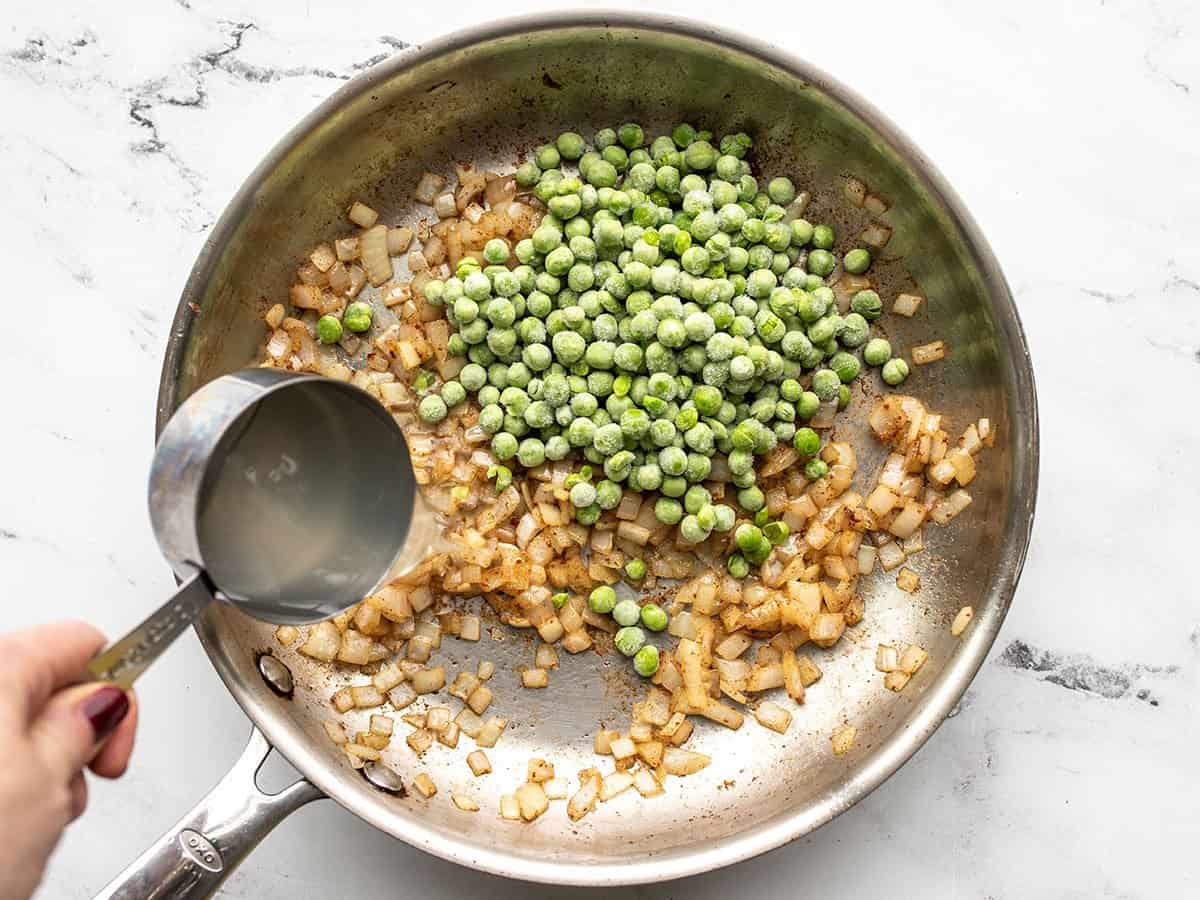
pixel 476 96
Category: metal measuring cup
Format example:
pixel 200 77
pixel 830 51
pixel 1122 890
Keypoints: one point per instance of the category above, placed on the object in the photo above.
pixel 288 495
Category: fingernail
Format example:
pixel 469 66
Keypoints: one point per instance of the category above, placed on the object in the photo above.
pixel 105 709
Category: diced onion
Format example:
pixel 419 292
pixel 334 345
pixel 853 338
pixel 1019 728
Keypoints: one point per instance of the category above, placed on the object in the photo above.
pixel 362 215
pixel 428 187
pixel 584 800
pixel 907 305
pixel 856 191
pixel 614 784
pixel 677 761
pixel 908 580
pixel 445 206
pixel 375 258
pixel 843 739
pixel 887 658
pixel 928 353
pixel 772 715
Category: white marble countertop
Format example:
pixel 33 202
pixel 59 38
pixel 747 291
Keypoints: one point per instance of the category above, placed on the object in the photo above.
pixel 1071 130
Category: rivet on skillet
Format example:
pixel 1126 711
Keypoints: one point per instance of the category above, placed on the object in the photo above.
pixel 380 776
pixel 277 675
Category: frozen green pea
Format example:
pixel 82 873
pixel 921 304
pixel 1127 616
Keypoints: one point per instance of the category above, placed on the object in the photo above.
pixel 547 157
pixel 627 613
pixel 608 439
pixel 496 251
pixel 569 347
pixel 618 466
pixel 329 329
pixel 825 384
pixel 700 156
pixel 737 566
pixel 820 262
pixel 867 304
pixel 649 477
pixel 528 174
pixel 570 145
pixel 751 498
pixel 807 442
pixel 741 368
pixel 692 531
pixel 894 371
pixel 537 357
pixel 602 600
pixel 531 452
pixel 856 261
pixel 504 445
pixel 557 447
pixel 699 327
pixel 673 486
pixel 708 399
pixel 695 260
pixel 432 408
pixel 706 517
pixel 583 494
pixel 615 156
pixel 588 515
pixel 672 460
pixel 668 511
pixel 802 232
pixel 453 393
pixel 699 466
pixel 608 494
pixel 683 135
pixel 645 661
pixel 748 537
pixel 740 461
pixel 776 532
pixel 696 497
pixel 845 365
pixel 357 317
pixel 855 331
pixel 877 352
pixel 816 468
pixel 758 555
pixel 601 174
pixel 724 517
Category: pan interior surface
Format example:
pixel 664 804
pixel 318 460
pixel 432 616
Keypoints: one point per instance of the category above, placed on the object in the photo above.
pixel 483 98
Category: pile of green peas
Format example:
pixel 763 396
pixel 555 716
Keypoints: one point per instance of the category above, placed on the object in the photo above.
pixel 630 639
pixel 667 311
pixel 357 317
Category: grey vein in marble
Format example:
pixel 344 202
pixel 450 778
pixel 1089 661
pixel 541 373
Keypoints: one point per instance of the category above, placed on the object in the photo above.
pixel 1080 673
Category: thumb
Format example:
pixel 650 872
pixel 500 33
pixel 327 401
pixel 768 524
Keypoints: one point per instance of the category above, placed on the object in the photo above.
pixel 75 723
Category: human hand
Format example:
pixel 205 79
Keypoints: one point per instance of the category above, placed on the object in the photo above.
pixel 51 728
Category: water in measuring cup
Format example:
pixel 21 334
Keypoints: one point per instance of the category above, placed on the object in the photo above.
pixel 308 505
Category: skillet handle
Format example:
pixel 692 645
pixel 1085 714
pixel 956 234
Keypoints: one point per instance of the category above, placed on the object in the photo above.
pixel 205 846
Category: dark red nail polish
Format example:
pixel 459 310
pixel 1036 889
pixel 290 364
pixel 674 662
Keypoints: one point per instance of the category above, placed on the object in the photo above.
pixel 105 709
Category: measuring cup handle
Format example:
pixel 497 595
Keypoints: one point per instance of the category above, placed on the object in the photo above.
pixel 129 657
